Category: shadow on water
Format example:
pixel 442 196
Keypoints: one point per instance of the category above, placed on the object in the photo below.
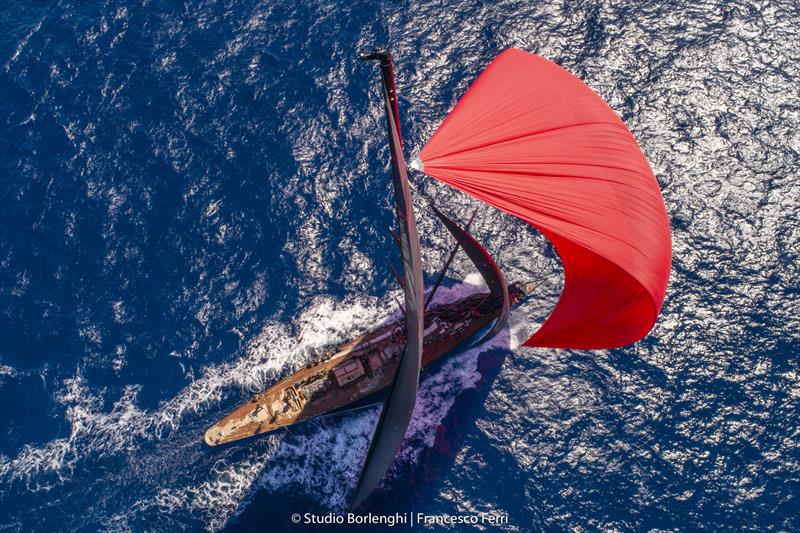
pixel 418 482
pixel 425 479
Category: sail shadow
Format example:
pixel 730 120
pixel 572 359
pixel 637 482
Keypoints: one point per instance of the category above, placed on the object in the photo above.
pixel 350 427
pixel 420 480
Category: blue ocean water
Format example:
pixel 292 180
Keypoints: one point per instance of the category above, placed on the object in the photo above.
pixel 196 200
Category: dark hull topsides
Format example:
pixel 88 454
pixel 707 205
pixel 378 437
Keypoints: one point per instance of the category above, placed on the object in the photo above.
pixel 357 369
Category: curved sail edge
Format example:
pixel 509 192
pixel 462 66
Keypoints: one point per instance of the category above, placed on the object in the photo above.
pixel 624 311
pixel 488 269
pixel 533 140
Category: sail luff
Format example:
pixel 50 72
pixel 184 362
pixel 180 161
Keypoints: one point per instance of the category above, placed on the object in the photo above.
pixel 488 269
pixel 447 263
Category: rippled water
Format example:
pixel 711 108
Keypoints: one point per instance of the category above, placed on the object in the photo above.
pixel 196 197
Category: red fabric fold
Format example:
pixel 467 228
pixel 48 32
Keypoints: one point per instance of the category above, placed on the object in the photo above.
pixel 533 140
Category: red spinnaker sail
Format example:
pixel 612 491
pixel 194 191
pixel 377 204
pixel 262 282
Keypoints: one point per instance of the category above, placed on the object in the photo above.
pixel 533 140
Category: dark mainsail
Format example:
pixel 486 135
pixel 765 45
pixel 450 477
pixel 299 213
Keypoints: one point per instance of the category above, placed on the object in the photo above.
pixel 399 404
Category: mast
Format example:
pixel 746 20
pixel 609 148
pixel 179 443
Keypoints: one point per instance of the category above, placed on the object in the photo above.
pixel 390 95
pixel 399 404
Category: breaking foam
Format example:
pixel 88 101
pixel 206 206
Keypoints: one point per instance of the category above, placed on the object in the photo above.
pixel 320 459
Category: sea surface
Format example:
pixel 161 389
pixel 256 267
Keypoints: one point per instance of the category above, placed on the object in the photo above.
pixel 195 200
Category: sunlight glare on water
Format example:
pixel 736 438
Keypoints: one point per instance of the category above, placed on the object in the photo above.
pixel 197 201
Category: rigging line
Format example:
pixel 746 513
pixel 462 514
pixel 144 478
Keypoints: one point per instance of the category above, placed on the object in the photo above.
pixel 420 195
pixel 402 309
pixel 447 263
pixel 400 281
pixel 384 24
pixel 395 237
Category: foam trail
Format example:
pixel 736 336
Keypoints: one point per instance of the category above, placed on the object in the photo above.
pixel 322 457
pixel 98 433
